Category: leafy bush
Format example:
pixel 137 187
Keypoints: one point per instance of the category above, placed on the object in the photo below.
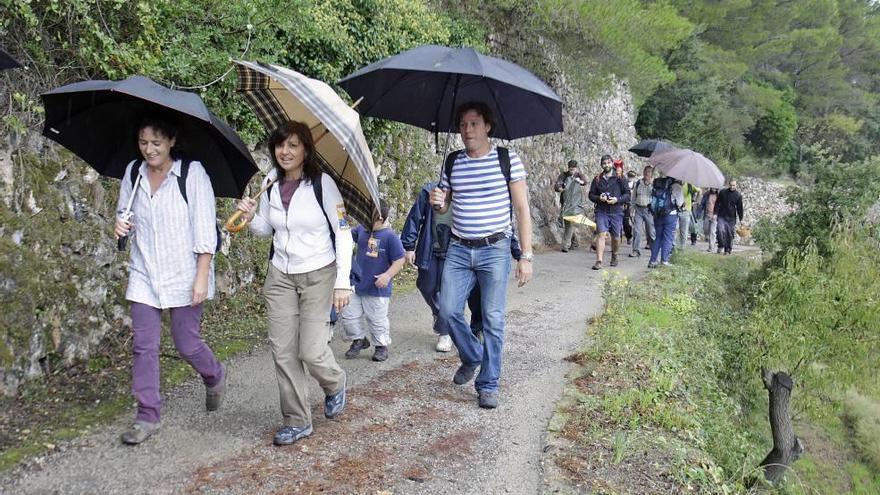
pixel 835 193
pixel 189 43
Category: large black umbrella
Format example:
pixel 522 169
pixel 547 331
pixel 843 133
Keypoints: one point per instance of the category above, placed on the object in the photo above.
pixel 423 86
pixel 647 147
pixel 7 62
pixel 97 121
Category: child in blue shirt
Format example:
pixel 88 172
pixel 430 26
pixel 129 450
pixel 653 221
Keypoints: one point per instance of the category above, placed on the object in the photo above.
pixel 379 257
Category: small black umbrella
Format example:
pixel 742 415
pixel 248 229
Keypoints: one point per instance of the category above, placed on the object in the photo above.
pixel 647 147
pixel 423 86
pixel 97 121
pixel 7 62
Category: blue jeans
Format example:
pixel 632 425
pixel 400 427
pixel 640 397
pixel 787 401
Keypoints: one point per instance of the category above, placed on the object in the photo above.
pixel 488 266
pixel 662 246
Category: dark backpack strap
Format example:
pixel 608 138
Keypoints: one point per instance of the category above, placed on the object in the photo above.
pixel 181 179
pixel 504 160
pixel 447 166
pixel 133 173
pixel 319 195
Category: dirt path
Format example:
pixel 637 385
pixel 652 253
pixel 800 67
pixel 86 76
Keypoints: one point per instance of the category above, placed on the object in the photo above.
pixel 407 428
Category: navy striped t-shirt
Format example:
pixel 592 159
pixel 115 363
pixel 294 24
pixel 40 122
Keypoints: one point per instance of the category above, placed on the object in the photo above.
pixel 480 201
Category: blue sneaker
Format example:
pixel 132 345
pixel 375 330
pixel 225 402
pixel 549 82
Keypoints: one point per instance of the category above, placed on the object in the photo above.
pixel 286 435
pixel 335 403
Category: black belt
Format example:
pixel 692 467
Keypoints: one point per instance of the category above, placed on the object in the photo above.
pixel 640 206
pixel 482 241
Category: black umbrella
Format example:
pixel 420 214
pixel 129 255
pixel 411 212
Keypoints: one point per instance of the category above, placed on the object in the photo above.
pixel 648 147
pixel 7 62
pixel 97 121
pixel 423 86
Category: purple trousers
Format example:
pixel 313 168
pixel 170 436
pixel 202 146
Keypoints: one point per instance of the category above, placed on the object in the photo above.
pixel 146 325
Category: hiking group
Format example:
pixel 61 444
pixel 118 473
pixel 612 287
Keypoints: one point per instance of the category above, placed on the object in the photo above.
pixel 460 235
pixel 663 211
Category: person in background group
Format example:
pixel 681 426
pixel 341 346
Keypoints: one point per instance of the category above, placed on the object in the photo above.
pixel 628 210
pixel 609 191
pixel 379 259
pixel 308 272
pixel 684 217
pixel 643 220
pixel 170 267
pixel 728 207
pixel 666 201
pixel 482 200
pixel 570 185
pixel 707 207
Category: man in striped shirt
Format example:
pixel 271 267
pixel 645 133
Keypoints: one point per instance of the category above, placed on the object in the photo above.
pixel 482 201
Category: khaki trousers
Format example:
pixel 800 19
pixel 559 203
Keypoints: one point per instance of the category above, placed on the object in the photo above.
pixel 298 305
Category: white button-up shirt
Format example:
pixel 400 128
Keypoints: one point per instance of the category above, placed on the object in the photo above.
pixel 168 235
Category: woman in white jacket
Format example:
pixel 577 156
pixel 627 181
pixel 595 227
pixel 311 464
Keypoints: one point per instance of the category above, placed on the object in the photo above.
pixel 308 272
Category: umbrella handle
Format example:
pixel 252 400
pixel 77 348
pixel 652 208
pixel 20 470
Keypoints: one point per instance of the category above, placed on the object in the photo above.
pixel 233 226
pixel 234 223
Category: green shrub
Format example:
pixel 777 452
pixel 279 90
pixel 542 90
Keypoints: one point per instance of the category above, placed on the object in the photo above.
pixel 863 417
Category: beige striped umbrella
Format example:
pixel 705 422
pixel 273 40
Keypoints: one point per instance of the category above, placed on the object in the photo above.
pixel 278 95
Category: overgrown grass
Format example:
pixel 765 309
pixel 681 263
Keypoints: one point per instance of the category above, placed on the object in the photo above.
pixel 663 394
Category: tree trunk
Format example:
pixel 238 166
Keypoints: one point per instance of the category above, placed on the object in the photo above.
pixel 787 448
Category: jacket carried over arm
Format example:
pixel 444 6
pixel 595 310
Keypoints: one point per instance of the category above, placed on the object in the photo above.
pixel 301 234
pixel 417 233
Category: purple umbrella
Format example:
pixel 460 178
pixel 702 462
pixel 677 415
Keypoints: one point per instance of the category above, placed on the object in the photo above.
pixel 688 166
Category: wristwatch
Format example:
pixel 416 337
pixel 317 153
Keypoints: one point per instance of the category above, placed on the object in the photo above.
pixel 527 257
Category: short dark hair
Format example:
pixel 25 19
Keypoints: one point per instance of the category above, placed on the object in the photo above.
pixel 647 167
pixel 478 106
pixel 572 164
pixel 165 125
pixel 311 170
pixel 605 157
pixel 384 209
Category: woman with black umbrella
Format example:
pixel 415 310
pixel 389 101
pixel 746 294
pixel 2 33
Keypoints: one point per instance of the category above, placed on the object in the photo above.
pixel 172 227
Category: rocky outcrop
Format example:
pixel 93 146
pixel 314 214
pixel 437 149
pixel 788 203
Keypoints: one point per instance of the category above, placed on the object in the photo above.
pixel 762 199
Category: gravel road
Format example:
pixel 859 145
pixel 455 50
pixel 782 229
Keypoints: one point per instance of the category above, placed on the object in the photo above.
pixel 406 429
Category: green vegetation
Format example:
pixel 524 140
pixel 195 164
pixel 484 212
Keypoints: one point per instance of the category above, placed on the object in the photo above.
pixel 763 86
pixel 190 43
pixel 669 395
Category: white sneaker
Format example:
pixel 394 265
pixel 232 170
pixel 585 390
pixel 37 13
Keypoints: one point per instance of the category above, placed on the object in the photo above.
pixel 444 343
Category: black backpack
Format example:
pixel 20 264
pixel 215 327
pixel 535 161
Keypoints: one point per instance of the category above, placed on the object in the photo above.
pixel 661 197
pixel 318 188
pixel 181 185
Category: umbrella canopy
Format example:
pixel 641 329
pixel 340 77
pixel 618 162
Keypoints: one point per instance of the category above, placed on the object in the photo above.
pixel 688 166
pixel 278 95
pixel 97 120
pixel 423 86
pixel 647 147
pixel 7 62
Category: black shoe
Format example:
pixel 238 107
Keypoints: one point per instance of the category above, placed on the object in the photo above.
pixel 464 374
pixel 335 403
pixel 357 345
pixel 381 353
pixel 488 400
pixel 613 260
pixel 564 250
pixel 597 265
